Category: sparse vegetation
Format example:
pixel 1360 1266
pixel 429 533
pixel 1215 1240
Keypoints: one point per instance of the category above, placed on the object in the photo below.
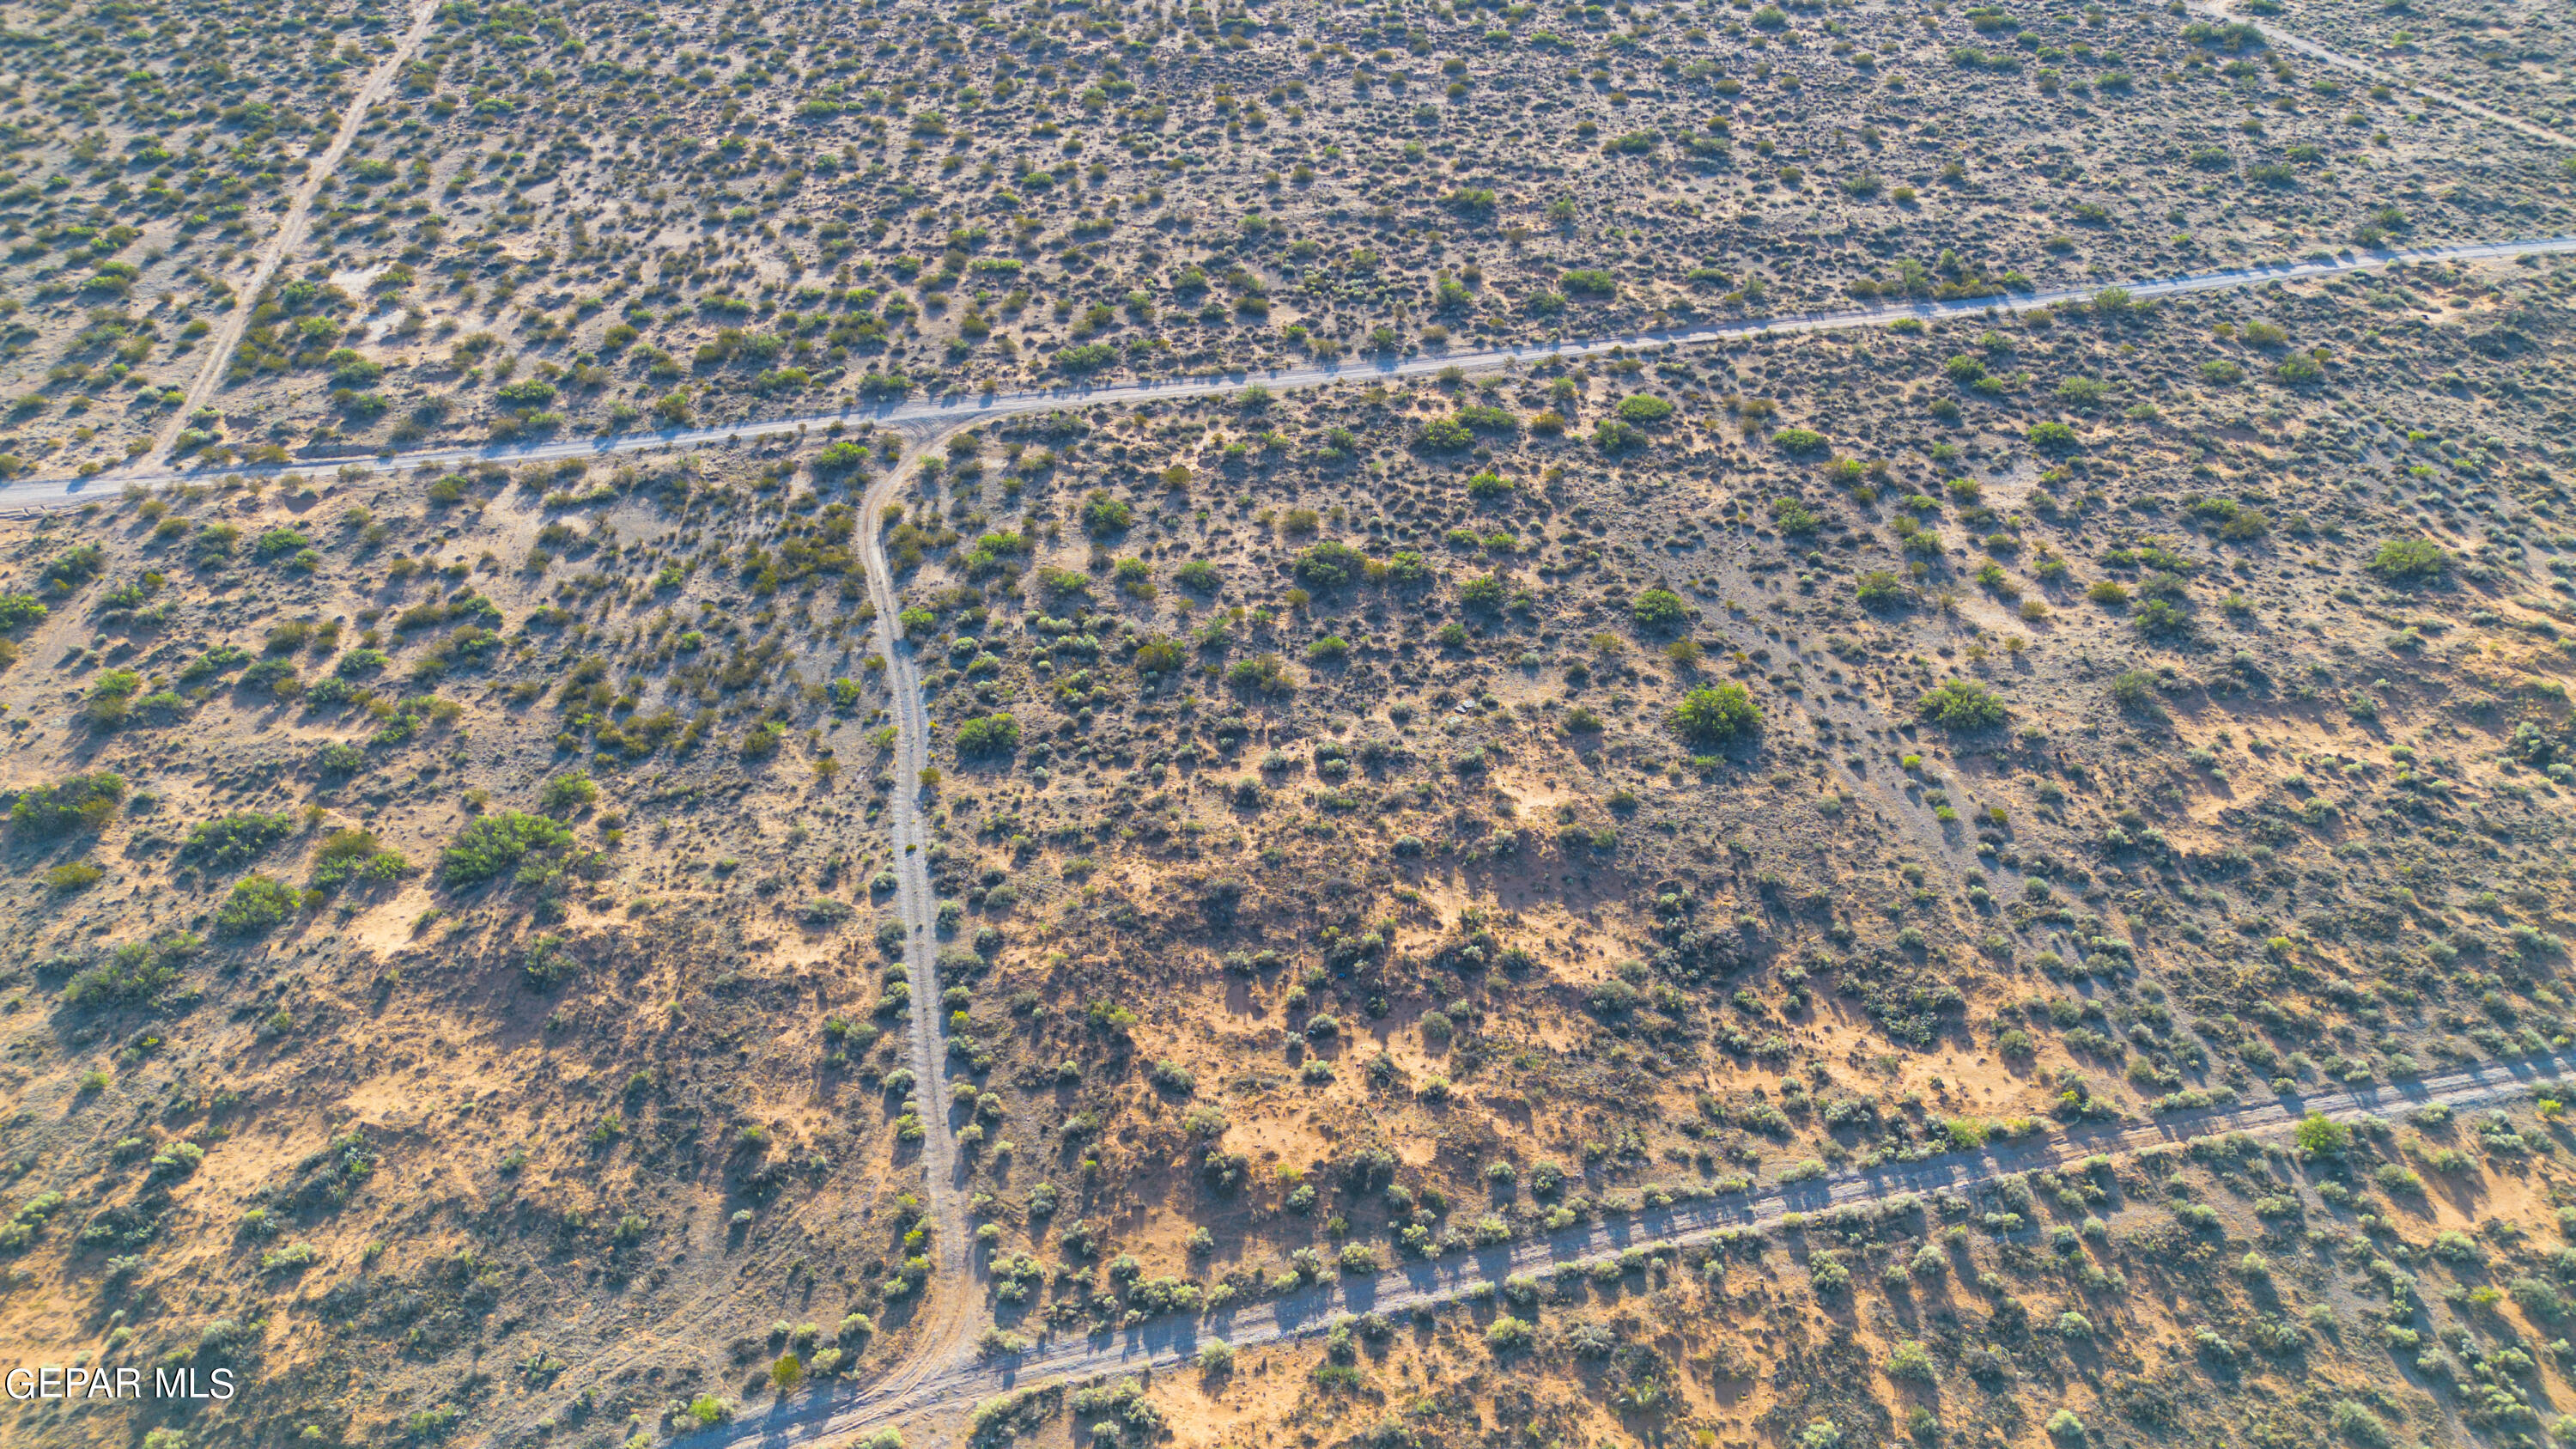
pixel 574 934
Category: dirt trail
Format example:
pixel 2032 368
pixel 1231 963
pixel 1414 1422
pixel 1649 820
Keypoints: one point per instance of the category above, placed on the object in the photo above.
pixel 2284 40
pixel 830 1417
pixel 289 234
pixel 959 410
pixel 948 1318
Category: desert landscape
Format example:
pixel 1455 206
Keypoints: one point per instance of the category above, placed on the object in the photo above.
pixel 1776 727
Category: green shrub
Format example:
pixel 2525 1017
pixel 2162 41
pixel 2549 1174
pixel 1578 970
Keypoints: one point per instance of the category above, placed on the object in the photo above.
pixel 496 843
pixel 74 567
pixel 133 973
pixel 565 794
pixel 111 698
pixel 1880 589
pixel 2319 1135
pixel 1962 704
pixel 992 734
pixel 278 541
pixel 1330 564
pixel 81 802
pixel 1659 609
pixel 354 856
pixel 2354 1421
pixel 258 903
pixel 2134 690
pixel 1262 674
pixel 1447 435
pixel 1104 514
pixel 1716 713
pixel 2409 560
pixel 1612 435
pixel 231 840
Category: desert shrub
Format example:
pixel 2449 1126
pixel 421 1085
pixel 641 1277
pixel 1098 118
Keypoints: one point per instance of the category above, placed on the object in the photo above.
pixel 133 973
pixel 354 856
pixel 1962 704
pixel 1715 714
pixel 567 793
pixel 111 699
pixel 1104 514
pixel 496 843
pixel 2134 690
pixel 1261 674
pixel 236 839
pixel 1330 564
pixel 2321 1136
pixel 74 567
pixel 2409 560
pixel 1880 589
pixel 258 903
pixel 278 541
pixel 81 802
pixel 1659 609
pixel 2354 1421
pixel 1447 435
pixel 993 734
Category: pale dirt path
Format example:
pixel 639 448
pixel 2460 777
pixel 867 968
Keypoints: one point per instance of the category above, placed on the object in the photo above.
pixel 288 236
pixel 2275 35
pixel 920 416
pixel 846 1412
pixel 948 1319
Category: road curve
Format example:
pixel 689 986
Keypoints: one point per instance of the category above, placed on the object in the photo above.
pixel 289 234
pixel 2275 36
pixel 847 1411
pixel 930 415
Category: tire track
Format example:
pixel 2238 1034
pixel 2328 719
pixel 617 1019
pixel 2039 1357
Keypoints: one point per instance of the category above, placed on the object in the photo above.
pixel 930 415
pixel 2275 36
pixel 291 228
pixel 1166 1342
pixel 947 1317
